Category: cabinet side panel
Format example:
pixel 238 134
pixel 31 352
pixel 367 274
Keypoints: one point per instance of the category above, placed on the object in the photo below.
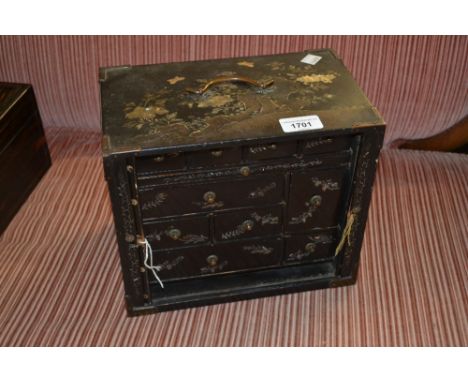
pixel 371 143
pixel 125 227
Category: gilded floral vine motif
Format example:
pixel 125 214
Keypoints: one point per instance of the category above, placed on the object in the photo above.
pixel 193 239
pixel 160 110
pixel 151 110
pixel 259 149
pixel 306 215
pixel 186 239
pixel 325 184
pixel 314 78
pixel 168 265
pixel 265 219
pixel 258 249
pixel 238 231
pixel 318 142
pixel 246 64
pixel 159 199
pixel 206 206
pixel 303 217
pixel 298 255
pixel 261 191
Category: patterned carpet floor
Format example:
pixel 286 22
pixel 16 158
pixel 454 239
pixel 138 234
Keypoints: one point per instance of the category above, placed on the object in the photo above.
pixel 60 280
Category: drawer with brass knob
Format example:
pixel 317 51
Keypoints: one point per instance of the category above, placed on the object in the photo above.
pixel 270 150
pixel 203 261
pixel 327 144
pixel 191 198
pixel 214 157
pixel 186 231
pixel 160 163
pixel 313 246
pixel 316 198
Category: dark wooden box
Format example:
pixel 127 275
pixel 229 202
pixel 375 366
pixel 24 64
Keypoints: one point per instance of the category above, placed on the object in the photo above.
pixel 24 155
pixel 217 198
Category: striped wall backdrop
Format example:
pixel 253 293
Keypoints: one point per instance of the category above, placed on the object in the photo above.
pixel 419 83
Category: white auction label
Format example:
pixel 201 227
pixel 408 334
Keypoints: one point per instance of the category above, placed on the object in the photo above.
pixel 307 122
pixel 311 59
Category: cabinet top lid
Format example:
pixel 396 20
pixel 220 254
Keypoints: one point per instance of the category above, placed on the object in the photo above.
pixel 216 101
pixel 10 93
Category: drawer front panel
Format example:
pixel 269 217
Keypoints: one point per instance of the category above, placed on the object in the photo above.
pixel 178 232
pixel 215 157
pixel 222 258
pixel 248 223
pixel 315 199
pixel 310 247
pixel 270 151
pixel 187 198
pixel 327 144
pixel 160 163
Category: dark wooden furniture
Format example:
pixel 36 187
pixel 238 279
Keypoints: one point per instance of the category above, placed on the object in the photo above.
pixel 454 139
pixel 24 156
pixel 234 206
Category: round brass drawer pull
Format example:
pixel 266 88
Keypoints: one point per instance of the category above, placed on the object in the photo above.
pixel 159 158
pixel 245 170
pixel 212 260
pixel 310 247
pixel 248 225
pixel 217 153
pixel 209 197
pixel 175 234
pixel 272 146
pixel 316 200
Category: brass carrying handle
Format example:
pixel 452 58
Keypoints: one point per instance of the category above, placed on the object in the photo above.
pixel 219 80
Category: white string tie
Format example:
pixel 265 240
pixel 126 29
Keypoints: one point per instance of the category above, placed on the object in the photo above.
pixel 150 266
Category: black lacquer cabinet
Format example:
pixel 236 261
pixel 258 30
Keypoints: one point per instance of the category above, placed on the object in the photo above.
pixel 237 178
pixel 24 155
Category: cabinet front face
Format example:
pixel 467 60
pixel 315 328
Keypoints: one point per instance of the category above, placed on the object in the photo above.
pixel 212 214
pixel 283 205
pixel 213 260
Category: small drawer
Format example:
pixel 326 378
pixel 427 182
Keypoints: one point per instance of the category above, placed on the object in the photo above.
pixel 310 247
pixel 187 198
pixel 316 199
pixel 327 144
pixel 248 223
pixel 214 157
pixel 270 151
pixel 178 232
pixel 161 162
pixel 221 258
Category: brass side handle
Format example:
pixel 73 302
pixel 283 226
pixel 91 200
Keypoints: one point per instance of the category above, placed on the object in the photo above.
pixel 242 79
